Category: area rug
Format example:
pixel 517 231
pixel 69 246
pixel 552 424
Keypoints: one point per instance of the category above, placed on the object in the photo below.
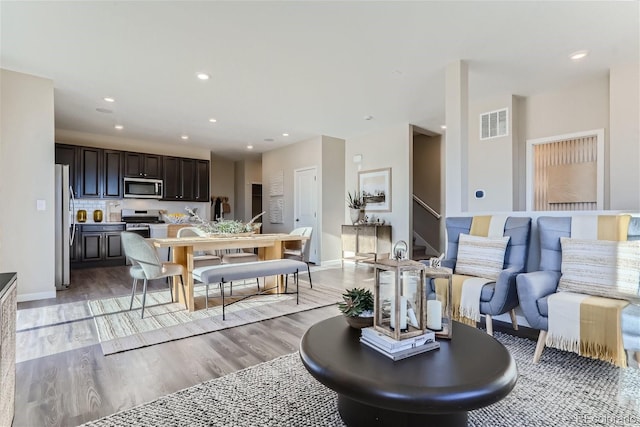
pixel 563 389
pixel 121 329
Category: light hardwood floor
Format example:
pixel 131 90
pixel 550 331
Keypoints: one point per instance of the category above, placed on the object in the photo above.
pixel 64 380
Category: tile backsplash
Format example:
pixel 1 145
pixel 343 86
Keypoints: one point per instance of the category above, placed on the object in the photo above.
pixel 111 208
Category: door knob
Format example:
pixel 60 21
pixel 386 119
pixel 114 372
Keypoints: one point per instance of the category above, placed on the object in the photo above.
pixel 297 219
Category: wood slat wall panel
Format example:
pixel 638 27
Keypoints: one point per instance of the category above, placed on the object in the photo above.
pixel 568 151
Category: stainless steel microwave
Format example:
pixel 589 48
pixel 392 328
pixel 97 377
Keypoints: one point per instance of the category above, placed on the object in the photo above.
pixel 143 188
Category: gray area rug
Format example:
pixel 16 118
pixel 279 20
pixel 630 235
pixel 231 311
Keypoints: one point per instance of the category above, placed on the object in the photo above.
pixel 121 329
pixel 564 389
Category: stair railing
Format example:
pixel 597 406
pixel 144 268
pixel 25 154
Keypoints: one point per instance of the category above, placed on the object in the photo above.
pixel 426 207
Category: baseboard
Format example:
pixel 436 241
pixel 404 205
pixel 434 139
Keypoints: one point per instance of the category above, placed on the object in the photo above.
pixel 36 296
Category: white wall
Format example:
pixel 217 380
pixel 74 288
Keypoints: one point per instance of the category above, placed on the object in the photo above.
pixel 490 161
pixel 223 181
pixel 331 190
pixel 26 175
pixel 247 172
pixel 389 147
pixel 325 154
pixel 300 155
pixel 624 137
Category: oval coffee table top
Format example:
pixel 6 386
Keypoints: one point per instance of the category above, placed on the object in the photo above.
pixel 470 371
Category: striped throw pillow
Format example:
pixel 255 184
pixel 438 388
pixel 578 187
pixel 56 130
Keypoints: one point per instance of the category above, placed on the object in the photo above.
pixel 600 267
pixel 481 256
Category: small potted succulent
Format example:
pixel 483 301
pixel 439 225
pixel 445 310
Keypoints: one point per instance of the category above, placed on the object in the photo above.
pixel 357 307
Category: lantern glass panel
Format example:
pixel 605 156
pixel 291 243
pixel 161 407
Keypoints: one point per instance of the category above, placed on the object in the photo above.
pixel 399 299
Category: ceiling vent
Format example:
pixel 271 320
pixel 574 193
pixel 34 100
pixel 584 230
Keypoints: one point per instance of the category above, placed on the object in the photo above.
pixel 494 124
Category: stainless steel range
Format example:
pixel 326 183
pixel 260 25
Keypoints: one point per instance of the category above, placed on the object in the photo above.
pixel 139 221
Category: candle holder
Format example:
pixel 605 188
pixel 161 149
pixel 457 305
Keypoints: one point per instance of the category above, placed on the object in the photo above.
pixel 399 310
pixel 438 301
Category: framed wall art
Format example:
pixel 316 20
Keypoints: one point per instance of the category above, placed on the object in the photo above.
pixel 375 187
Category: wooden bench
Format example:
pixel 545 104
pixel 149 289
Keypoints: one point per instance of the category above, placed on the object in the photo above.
pixel 227 273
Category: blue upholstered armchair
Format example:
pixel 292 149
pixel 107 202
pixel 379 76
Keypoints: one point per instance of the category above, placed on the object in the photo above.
pixel 500 296
pixel 535 287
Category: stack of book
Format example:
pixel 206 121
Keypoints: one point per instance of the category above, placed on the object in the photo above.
pixel 398 350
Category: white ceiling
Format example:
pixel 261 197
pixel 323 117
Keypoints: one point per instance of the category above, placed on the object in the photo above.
pixel 303 68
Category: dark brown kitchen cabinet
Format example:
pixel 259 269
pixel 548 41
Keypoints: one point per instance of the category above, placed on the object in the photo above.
pixel 100 173
pixel 202 181
pixel 142 165
pixel 99 245
pixel 68 155
pixel 179 177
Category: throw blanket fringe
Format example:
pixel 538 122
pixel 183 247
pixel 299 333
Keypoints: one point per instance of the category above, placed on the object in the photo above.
pixel 586 325
pixel 470 297
pixel 458 282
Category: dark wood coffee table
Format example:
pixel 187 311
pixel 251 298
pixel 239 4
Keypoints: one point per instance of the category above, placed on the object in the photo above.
pixel 436 388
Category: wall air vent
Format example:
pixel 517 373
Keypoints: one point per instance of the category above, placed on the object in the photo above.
pixel 494 124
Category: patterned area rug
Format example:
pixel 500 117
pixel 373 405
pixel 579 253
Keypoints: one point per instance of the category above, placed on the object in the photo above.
pixel 562 390
pixel 121 329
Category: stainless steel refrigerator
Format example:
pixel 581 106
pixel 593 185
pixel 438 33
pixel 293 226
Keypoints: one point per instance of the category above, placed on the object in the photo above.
pixel 65 225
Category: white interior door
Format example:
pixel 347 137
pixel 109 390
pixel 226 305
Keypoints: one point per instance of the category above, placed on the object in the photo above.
pixel 305 209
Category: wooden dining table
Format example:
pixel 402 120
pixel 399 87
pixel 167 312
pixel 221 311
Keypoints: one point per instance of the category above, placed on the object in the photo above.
pixel 270 246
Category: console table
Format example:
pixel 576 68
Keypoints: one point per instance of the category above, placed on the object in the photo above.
pixel 436 388
pixel 365 242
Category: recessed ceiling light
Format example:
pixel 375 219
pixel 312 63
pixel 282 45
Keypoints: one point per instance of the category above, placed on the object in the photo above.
pixel 579 54
pixel 249 147
pixel 185 137
pixel 212 120
pixel 443 126
pixel 203 76
pixel 368 117
pixel 285 134
pixel 119 127
pixel 108 99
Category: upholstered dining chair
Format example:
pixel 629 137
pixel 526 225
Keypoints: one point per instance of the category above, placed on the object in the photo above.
pixel 299 250
pixel 146 265
pixel 200 258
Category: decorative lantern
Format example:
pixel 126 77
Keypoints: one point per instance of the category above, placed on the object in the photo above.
pixel 399 309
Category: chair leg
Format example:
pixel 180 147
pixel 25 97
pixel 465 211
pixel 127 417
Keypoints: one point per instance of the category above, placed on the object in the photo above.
pixel 258 282
pixel 144 296
pixel 286 282
pixel 489 322
pixel 514 320
pixel 184 294
pixel 309 272
pixel 133 292
pixel 542 338
pixel 206 296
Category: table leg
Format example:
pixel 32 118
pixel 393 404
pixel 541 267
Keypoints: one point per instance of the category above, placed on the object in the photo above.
pixel 184 255
pixel 357 414
pixel 272 252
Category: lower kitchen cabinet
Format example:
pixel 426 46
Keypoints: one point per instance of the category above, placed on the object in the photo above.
pixel 99 246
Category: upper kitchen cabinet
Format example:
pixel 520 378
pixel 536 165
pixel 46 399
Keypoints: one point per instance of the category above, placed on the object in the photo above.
pixel 100 173
pixel 179 176
pixel 68 155
pixel 202 180
pixel 142 165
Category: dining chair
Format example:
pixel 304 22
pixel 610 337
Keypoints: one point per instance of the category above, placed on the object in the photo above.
pixel 146 265
pixel 299 250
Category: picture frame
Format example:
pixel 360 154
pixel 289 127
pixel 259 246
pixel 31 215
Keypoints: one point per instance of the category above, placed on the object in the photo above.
pixel 375 187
